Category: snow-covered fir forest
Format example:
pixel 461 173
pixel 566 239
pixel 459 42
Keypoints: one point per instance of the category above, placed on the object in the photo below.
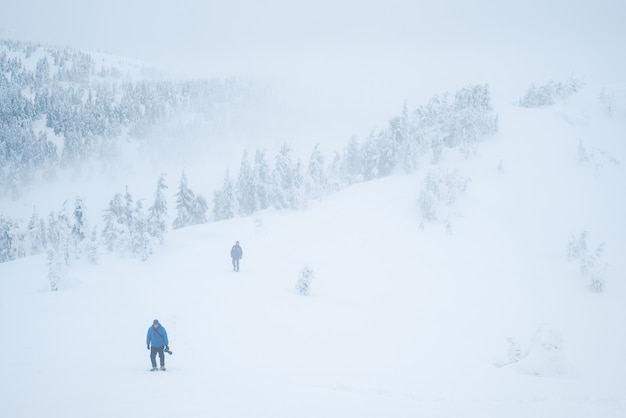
pixel 70 112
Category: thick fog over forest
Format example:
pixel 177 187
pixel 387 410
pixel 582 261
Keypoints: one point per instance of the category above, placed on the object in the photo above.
pixel 345 65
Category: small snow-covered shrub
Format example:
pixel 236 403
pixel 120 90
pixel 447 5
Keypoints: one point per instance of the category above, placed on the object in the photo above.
pixel 57 268
pixel 303 285
pixel 92 247
pixel 544 357
pixel 594 156
pixel 591 265
pixel 440 189
pixel 607 99
pixel 613 102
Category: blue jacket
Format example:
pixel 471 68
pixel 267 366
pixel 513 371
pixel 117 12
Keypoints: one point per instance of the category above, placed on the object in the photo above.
pixel 236 252
pixel 157 337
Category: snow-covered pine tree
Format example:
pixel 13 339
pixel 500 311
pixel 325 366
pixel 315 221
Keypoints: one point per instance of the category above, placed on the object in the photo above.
pixel 64 227
pixel 115 234
pixel 440 189
pixel 336 181
pixel 56 268
pixel 224 200
pixel 371 157
pixel 303 285
pixel 245 187
pixel 391 142
pixel 473 118
pixel 432 125
pixel 547 94
pixel 57 252
pixel 92 247
pixel 577 247
pixel 284 180
pixel 52 233
pixel 352 168
pixel 73 149
pixel 79 229
pixel 262 181
pixel 591 264
pixel 316 182
pixel 184 204
pixel 199 210
pixel 8 239
pixel 140 243
pixel 414 144
pixel 157 217
pixel 125 228
pixel 36 233
pixel 299 199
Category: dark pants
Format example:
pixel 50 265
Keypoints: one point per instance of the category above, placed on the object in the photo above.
pixel 235 264
pixel 153 354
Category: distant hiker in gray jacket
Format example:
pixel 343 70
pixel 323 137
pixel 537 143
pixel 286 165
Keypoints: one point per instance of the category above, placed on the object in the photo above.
pixel 236 253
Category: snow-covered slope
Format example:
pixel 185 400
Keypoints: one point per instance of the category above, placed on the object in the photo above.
pixel 478 314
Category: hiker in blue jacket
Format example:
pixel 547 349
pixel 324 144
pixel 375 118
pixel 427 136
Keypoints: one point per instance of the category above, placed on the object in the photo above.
pixel 156 342
pixel 236 253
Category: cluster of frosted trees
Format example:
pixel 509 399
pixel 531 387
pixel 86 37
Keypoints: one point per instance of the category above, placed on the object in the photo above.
pixel 85 108
pixel 62 231
pixel 549 93
pixel 410 140
pixel 65 236
pixel 131 230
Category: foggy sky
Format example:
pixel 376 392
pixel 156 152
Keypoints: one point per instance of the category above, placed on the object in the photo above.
pixel 248 37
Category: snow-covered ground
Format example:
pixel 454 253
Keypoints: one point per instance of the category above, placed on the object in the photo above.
pixel 479 314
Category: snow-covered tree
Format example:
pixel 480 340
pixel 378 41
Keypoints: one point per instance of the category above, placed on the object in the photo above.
pixel 262 180
pixel 245 190
pixel 472 120
pixel 303 285
pixel 184 204
pixel 299 199
pixel 286 179
pixel 592 267
pixel 199 210
pixel 549 93
pixel 58 253
pixel 9 239
pixel 336 181
pixel 370 162
pixel 157 213
pixel 92 247
pixel 115 233
pixel 126 227
pixel 141 242
pixel 440 189
pixel 352 169
pixel 79 229
pixel 36 233
pixel 392 142
pixel 316 182
pixel 224 200
pixel 56 268
pixel 64 230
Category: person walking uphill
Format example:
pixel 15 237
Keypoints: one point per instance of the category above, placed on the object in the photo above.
pixel 156 342
pixel 236 253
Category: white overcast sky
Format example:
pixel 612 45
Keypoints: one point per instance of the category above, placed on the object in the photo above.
pixel 243 36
